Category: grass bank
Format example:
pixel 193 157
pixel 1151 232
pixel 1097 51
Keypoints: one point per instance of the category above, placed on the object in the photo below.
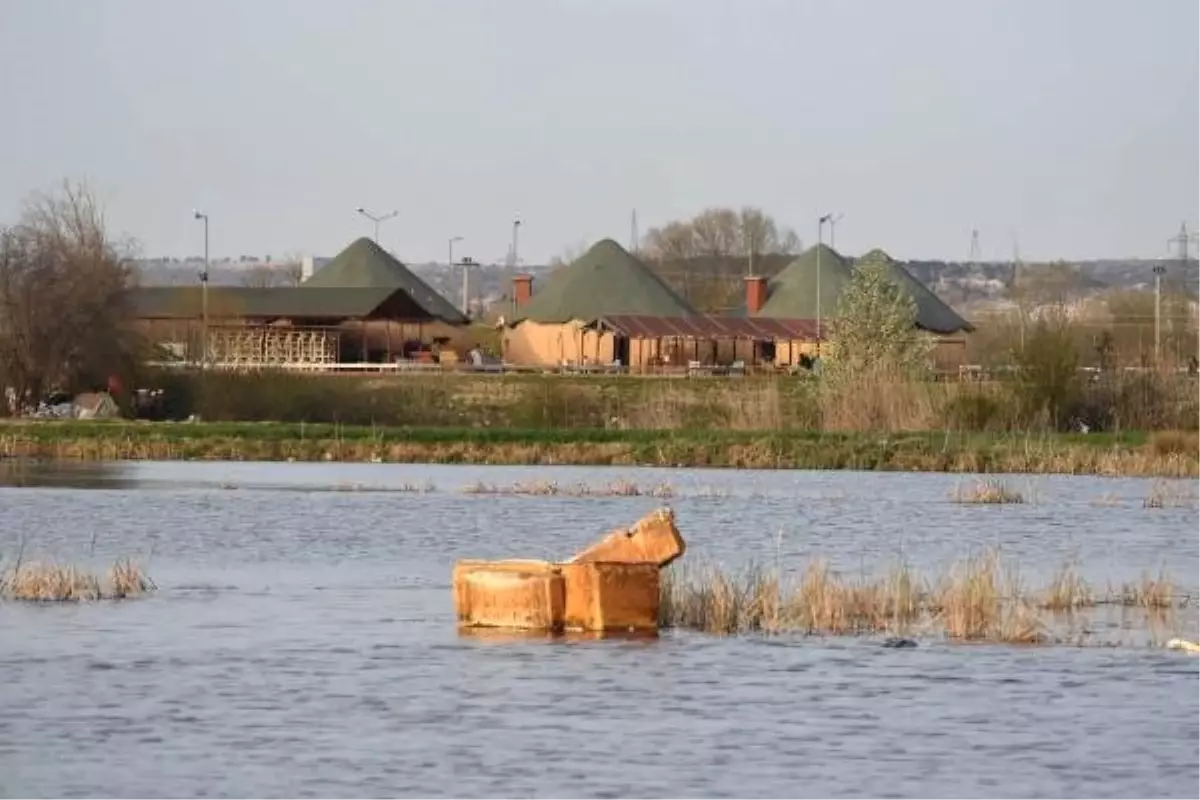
pixel 1163 454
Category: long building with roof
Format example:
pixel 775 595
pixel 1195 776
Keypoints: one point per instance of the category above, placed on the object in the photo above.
pixel 363 306
pixel 812 285
pixel 609 308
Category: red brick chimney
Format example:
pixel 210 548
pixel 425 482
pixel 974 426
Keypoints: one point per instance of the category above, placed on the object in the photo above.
pixel 756 293
pixel 522 289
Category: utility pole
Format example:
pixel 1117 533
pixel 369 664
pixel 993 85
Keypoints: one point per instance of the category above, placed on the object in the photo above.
pixel 1159 269
pixel 1015 290
pixel 820 228
pixel 466 264
pixel 974 256
pixel 203 294
pixel 450 264
pixel 833 221
pixel 1181 241
pixel 513 269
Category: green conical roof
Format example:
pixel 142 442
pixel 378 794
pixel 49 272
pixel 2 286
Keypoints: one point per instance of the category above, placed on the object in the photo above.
pixel 792 294
pixel 605 280
pixel 364 264
pixel 932 314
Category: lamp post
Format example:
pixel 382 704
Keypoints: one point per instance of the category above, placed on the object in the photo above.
pixel 1159 271
pixel 466 264
pixel 203 292
pixel 450 263
pixel 376 219
pixel 820 228
pixel 512 270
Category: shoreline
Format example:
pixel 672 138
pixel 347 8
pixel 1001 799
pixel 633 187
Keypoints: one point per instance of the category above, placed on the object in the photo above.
pixel 1163 455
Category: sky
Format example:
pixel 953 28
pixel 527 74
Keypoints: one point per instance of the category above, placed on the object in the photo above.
pixel 1069 129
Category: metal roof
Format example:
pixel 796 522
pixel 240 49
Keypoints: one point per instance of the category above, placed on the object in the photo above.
pixel 704 326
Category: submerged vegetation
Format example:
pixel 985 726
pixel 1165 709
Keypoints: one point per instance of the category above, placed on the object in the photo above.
pixel 52 582
pixel 981 598
pixel 987 492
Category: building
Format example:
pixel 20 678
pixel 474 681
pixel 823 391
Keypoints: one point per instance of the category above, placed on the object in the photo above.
pixel 821 272
pixel 607 308
pixel 363 306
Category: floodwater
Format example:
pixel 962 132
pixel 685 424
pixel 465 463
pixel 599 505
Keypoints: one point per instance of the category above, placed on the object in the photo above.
pixel 302 643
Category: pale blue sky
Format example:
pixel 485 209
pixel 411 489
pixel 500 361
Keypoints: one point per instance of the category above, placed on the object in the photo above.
pixel 1074 125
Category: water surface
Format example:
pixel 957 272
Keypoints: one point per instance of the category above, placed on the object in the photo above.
pixel 303 643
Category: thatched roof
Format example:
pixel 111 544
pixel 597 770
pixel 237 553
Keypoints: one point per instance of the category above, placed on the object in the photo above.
pixel 605 280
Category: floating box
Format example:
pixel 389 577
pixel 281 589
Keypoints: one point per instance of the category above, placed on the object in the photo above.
pixel 652 540
pixel 610 587
pixel 509 594
pixel 605 596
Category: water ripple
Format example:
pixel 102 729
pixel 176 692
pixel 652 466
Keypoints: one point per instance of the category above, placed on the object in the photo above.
pixel 303 644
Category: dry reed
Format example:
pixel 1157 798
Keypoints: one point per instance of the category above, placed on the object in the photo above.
pixel 1169 494
pixel 987 492
pixel 51 582
pixel 622 488
pixel 981 599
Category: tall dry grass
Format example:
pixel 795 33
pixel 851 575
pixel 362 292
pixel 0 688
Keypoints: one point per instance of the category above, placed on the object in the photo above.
pixel 885 400
pixel 978 599
pixel 987 492
pixel 53 582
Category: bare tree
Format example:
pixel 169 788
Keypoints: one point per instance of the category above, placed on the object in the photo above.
pixel 717 232
pixel 64 319
pixel 568 254
pixel 675 241
pixel 789 243
pixel 721 233
pixel 262 276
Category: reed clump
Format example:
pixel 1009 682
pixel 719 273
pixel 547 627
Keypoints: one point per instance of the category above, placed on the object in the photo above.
pixel 987 492
pixel 1169 494
pixel 53 582
pixel 622 488
pixel 978 599
pixel 1149 592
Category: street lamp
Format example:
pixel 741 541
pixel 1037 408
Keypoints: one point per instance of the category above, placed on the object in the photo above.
pixel 820 227
pixel 513 269
pixel 376 219
pixel 203 291
pixel 450 263
pixel 1159 271
pixel 466 264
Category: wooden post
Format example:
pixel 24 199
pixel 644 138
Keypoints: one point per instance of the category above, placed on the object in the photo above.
pixel 388 337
